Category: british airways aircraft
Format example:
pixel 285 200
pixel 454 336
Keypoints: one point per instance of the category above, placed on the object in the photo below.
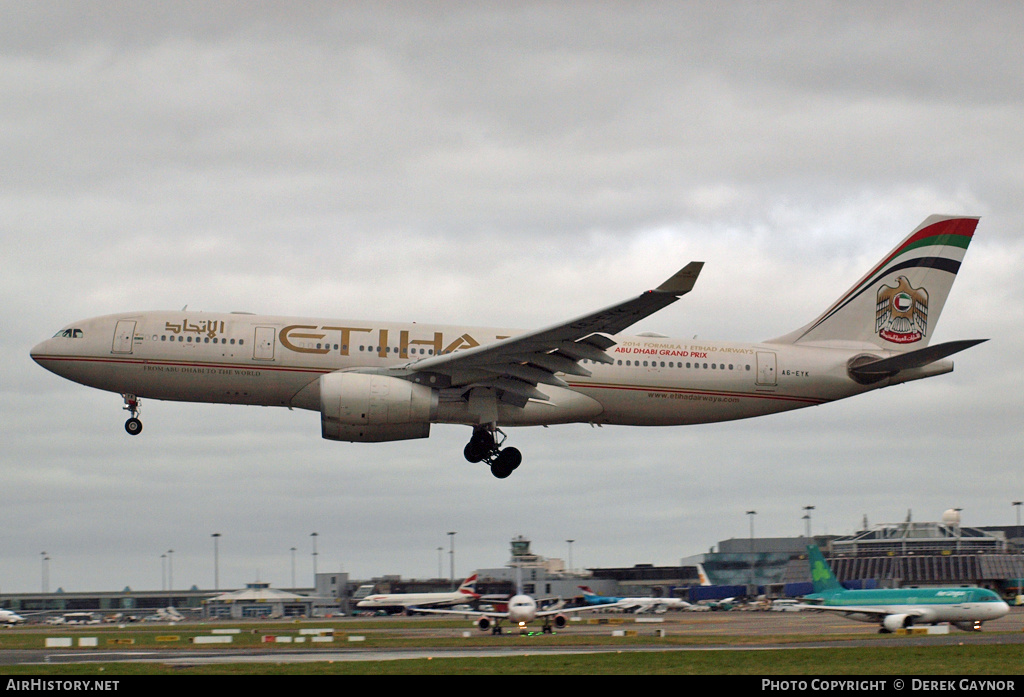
pixel 377 381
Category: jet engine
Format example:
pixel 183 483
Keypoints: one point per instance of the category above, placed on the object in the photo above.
pixel 483 624
pixel 559 621
pixel 893 622
pixel 368 408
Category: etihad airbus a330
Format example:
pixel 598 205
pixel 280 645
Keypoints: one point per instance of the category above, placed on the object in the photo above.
pixel 377 381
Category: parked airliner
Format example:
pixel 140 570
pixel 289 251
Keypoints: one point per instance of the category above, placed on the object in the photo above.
pixel 637 604
pixel 10 618
pixel 401 602
pixel 898 608
pixel 377 381
pixel 522 609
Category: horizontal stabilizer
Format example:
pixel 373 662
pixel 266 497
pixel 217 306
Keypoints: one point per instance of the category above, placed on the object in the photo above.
pixel 912 359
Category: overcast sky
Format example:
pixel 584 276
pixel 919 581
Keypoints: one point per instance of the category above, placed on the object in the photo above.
pixel 505 164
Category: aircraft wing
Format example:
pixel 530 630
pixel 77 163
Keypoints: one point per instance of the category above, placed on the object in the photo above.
pixel 516 365
pixel 463 613
pixel 582 608
pixel 557 610
pixel 879 610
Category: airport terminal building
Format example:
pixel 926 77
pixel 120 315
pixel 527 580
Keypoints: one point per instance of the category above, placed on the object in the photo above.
pixel 906 554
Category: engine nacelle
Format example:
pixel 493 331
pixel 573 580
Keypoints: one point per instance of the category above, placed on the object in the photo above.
pixel 559 621
pixel 484 624
pixel 894 622
pixel 367 408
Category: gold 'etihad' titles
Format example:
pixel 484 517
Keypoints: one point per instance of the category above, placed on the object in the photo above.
pixel 310 338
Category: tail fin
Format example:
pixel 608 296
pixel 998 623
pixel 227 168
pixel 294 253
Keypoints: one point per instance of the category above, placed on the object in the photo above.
pixel 702 575
pixel 821 572
pixel 468 585
pixel 896 305
pixel 586 590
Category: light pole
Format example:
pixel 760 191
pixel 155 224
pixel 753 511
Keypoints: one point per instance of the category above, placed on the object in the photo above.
pixel 1020 551
pixel 451 539
pixel 314 536
pixel 751 514
pixel 163 572
pixel 216 560
pixel 807 517
pixel 957 523
pixel 570 553
pixel 293 567
pixel 440 556
pixel 170 570
pixel 45 572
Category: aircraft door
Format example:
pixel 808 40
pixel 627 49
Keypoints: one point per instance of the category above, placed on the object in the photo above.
pixel 263 348
pixel 124 336
pixel 766 375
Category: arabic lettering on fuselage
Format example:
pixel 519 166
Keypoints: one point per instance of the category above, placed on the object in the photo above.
pixel 210 327
pixel 311 338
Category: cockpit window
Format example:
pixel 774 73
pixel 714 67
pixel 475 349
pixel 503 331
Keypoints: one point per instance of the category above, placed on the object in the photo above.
pixel 69 334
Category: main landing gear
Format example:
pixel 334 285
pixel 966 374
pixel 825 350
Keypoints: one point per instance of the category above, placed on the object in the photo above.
pixel 483 447
pixel 131 405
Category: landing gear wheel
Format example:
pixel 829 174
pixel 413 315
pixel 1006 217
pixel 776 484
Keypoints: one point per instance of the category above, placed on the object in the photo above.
pixel 131 405
pixel 483 447
pixel 505 462
pixel 476 451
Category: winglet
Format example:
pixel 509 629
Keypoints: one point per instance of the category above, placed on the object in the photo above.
pixel 683 280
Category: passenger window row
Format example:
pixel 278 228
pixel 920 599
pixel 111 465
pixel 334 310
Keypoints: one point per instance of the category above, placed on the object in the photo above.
pixel 201 340
pixel 679 364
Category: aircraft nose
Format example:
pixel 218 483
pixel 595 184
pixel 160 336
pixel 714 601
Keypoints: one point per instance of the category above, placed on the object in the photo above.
pixel 37 351
pixel 40 351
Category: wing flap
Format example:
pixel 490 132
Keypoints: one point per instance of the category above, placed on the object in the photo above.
pixel 552 362
pixel 580 350
pixel 528 373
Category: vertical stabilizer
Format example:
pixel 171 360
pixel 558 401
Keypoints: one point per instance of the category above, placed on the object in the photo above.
pixel 821 573
pixel 702 575
pixel 896 305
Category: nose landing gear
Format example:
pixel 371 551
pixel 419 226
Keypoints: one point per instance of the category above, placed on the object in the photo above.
pixel 483 447
pixel 133 425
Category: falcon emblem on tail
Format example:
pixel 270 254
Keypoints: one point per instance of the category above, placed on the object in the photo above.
pixel 901 313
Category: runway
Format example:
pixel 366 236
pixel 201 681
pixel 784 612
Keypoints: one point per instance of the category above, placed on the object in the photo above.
pixel 762 631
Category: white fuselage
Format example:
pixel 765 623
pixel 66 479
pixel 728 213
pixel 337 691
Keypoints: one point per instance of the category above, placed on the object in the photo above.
pixel 277 361
pixel 932 613
pixel 406 600
pixel 522 609
pixel 657 604
pixel 9 617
